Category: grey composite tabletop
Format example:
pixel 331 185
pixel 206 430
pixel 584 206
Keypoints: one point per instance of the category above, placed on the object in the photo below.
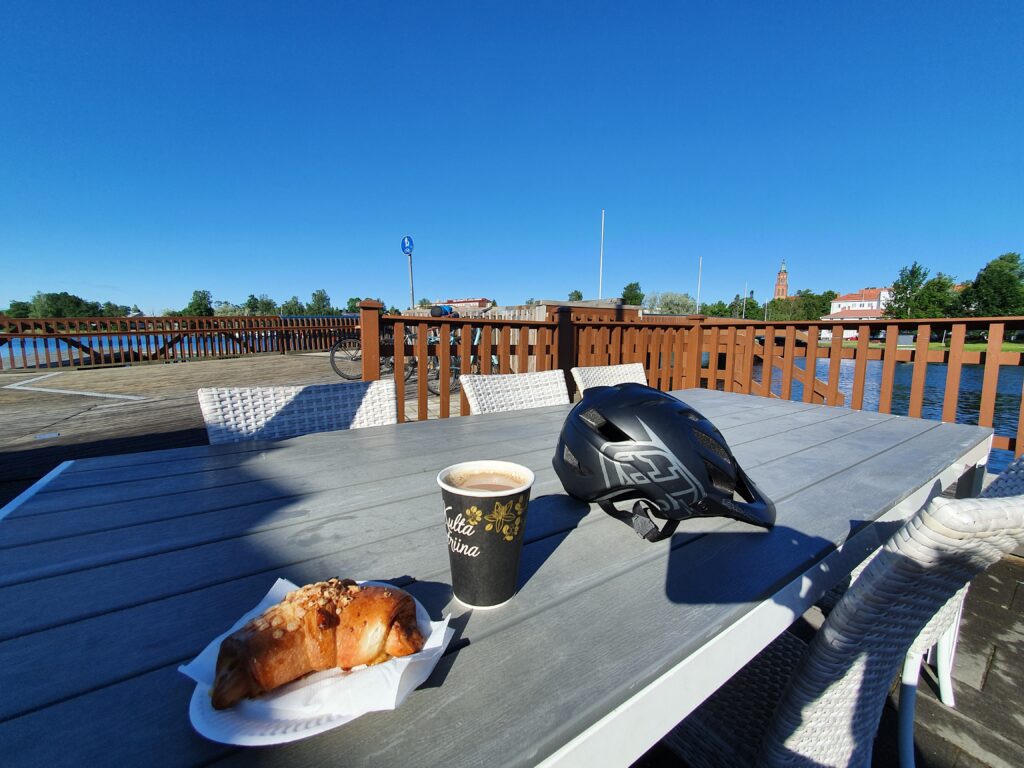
pixel 119 569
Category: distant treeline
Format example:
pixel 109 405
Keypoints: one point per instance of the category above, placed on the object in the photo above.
pixel 996 291
pixel 66 304
pixel 319 304
pixel 202 304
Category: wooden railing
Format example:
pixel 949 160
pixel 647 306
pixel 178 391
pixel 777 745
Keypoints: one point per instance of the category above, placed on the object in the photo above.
pixel 473 346
pixel 917 368
pixel 78 342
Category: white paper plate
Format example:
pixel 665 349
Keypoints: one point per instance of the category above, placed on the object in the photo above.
pixel 317 702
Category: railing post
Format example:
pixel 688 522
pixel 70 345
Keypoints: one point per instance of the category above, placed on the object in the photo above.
pixel 567 347
pixel 694 356
pixel 369 338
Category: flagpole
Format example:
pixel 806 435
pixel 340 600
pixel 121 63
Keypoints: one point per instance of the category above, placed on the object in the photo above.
pixel 600 263
pixel 700 268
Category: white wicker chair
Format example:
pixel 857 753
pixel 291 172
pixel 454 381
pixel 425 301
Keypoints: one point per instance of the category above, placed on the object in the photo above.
pixel 514 391
pixel 936 645
pixel 819 704
pixel 608 375
pixel 233 414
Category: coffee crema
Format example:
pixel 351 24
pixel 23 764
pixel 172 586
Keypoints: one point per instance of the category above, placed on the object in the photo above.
pixel 486 481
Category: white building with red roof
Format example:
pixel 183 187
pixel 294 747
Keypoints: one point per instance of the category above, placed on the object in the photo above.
pixel 865 304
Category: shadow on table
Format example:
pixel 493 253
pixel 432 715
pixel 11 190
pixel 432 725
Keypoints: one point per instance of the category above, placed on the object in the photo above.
pixel 549 521
pixel 754 564
pixel 750 566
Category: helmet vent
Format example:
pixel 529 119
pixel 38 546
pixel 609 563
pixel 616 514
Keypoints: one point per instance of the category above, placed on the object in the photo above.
pixel 722 483
pixel 709 443
pixel 569 458
pixel 592 418
pixel 603 427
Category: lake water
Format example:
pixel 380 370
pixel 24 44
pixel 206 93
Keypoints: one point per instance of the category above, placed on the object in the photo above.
pixel 35 349
pixel 1008 394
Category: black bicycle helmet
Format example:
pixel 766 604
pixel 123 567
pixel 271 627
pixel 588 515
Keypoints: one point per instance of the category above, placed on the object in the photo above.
pixel 634 442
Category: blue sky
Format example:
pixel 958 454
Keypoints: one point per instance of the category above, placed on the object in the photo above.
pixel 150 149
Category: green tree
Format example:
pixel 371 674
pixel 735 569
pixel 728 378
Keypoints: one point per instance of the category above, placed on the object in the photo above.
pixel 575 295
pixel 717 309
pixel 677 303
pixel 812 306
pixel 353 304
pixel 261 304
pixel 784 309
pixel 201 305
pixel 227 309
pixel 424 303
pixel 745 308
pixel 905 288
pixel 18 309
pixel 320 303
pixel 670 303
pixel 135 309
pixel 632 294
pixel 265 305
pixel 63 304
pixel 293 307
pixel 110 309
pixel 937 298
pixel 803 305
pixel 998 289
pixel 530 302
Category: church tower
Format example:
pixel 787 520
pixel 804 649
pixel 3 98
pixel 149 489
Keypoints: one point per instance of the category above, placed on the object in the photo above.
pixel 782 283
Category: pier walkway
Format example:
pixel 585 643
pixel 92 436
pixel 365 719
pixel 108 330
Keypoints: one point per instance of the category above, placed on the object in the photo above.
pixel 47 418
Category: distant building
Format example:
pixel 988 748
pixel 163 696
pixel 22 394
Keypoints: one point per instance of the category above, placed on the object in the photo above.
pixel 782 283
pixel 865 304
pixel 461 304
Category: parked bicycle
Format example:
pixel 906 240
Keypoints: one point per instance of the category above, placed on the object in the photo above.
pixel 347 361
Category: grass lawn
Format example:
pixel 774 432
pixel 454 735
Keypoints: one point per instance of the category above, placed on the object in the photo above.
pixel 1008 346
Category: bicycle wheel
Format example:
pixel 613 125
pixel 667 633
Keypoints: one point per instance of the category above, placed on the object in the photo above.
pixel 347 359
pixel 434 377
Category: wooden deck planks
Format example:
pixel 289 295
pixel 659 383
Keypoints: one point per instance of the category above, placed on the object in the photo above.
pixel 89 427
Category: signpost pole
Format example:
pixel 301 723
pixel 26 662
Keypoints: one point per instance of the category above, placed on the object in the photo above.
pixel 407 247
pixel 412 295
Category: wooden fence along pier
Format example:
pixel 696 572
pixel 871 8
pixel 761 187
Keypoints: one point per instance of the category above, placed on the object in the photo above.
pixel 771 359
pixel 80 342
pixel 789 360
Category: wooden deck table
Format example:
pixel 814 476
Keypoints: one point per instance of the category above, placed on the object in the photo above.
pixel 116 570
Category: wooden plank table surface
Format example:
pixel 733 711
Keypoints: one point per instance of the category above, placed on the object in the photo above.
pixel 119 569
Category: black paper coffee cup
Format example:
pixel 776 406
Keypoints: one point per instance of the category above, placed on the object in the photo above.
pixel 485 516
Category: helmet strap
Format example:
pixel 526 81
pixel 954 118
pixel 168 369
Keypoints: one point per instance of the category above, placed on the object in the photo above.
pixel 640 519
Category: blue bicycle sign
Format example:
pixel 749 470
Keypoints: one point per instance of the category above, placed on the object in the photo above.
pixel 407 245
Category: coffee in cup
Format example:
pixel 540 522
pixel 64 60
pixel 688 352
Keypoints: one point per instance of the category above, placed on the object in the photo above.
pixel 485 515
